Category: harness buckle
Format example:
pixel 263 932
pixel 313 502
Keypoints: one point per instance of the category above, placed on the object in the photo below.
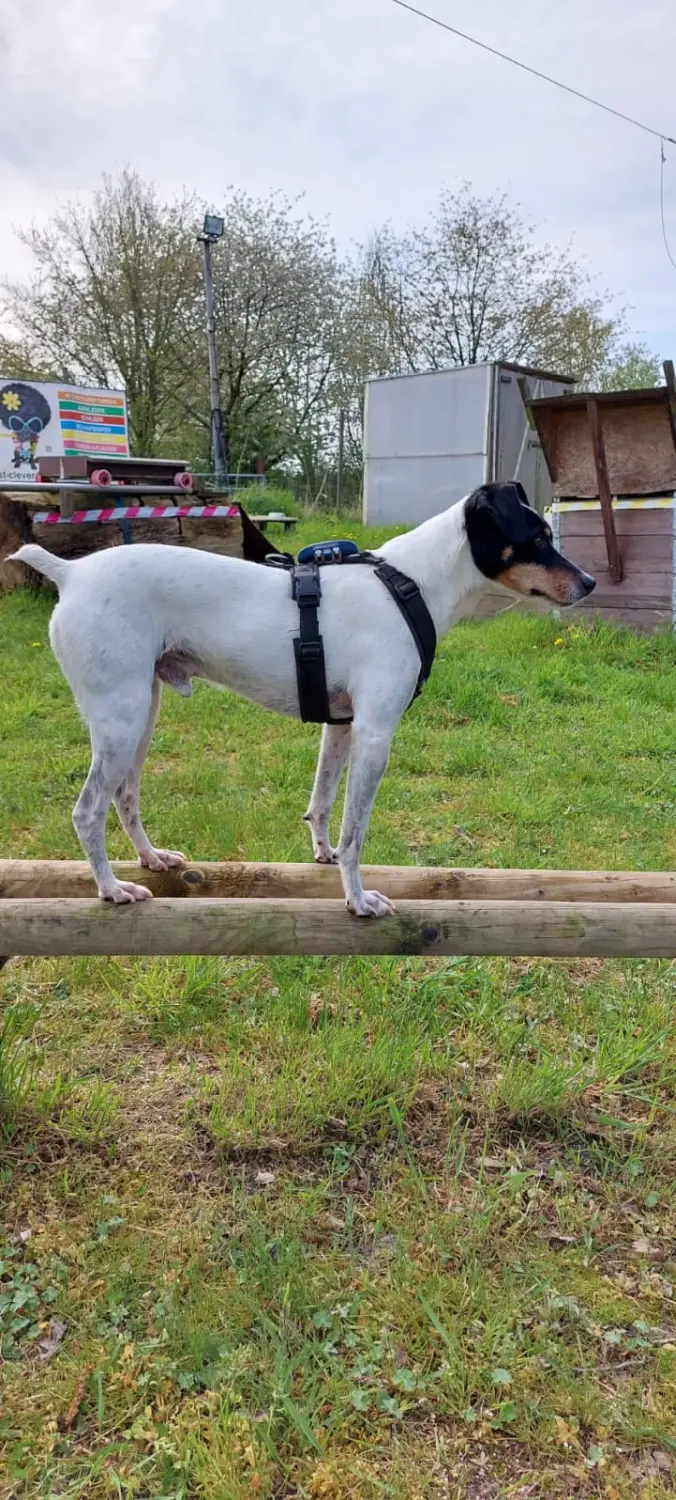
pixel 406 588
pixel 307 590
pixel 311 650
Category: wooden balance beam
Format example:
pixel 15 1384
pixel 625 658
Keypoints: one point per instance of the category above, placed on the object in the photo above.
pixel 46 908
pixel 20 878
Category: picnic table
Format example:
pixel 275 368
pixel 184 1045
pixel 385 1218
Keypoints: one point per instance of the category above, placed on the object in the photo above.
pixel 285 521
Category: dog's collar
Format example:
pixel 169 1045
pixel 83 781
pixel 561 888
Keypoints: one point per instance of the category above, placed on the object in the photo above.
pixel 313 697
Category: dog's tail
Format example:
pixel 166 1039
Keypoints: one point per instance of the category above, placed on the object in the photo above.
pixel 56 568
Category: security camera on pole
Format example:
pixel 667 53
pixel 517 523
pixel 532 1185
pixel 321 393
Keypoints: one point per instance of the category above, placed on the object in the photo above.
pixel 212 232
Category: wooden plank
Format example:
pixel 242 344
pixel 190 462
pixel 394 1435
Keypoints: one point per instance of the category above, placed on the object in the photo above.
pixel 433 928
pixel 642 590
pixel 525 395
pixel 604 491
pixel 645 621
pixel 22 879
pixel 639 553
pixel 610 596
pixel 670 382
pixel 628 523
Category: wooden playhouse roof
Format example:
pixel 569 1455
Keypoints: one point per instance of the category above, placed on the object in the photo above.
pixel 638 433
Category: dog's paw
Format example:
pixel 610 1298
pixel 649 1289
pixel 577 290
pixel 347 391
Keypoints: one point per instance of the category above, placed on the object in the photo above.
pixel 371 904
pixel 162 859
pixel 321 849
pixel 125 893
pixel 325 855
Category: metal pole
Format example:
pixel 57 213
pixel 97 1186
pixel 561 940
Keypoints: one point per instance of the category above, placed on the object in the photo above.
pixel 341 456
pixel 219 452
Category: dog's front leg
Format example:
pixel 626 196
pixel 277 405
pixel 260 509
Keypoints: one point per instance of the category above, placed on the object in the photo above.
pixel 369 754
pixel 333 754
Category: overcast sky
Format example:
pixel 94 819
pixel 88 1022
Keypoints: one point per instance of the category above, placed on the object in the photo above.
pixel 364 108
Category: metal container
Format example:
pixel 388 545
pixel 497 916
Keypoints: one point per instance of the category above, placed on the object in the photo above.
pixel 430 439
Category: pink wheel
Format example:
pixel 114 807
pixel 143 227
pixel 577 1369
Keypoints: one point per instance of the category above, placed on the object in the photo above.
pixel 101 477
pixel 183 481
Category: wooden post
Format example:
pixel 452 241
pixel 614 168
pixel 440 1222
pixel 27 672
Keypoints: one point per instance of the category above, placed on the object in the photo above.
pixel 30 879
pixel 68 502
pixel 525 395
pixel 431 928
pixel 670 382
pixel 605 496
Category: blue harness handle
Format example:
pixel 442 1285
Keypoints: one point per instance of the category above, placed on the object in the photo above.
pixel 327 552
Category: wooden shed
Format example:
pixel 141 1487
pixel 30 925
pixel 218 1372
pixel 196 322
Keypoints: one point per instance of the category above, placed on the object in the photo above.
pixel 612 461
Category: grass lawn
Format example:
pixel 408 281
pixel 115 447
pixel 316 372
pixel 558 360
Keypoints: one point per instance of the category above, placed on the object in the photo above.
pixel 354 1228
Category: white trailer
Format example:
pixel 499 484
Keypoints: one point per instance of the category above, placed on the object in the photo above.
pixel 431 438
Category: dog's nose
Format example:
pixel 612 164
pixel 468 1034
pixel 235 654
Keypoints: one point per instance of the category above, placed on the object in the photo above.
pixel 588 583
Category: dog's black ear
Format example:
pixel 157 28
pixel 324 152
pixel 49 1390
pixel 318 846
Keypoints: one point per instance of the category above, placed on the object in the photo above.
pixel 506 501
pixel 255 546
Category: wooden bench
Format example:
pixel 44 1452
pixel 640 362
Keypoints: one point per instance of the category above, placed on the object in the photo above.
pixel 285 521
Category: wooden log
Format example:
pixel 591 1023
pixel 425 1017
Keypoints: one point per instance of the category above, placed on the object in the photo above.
pixel 604 491
pixel 17 525
pixel 22 879
pixel 432 928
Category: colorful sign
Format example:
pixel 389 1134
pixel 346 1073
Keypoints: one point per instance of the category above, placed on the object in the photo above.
pixel 57 421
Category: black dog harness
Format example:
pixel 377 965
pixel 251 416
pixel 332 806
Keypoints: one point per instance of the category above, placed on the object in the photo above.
pixel 313 697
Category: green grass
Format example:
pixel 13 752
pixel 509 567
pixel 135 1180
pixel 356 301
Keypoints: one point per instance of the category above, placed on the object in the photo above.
pixel 325 1228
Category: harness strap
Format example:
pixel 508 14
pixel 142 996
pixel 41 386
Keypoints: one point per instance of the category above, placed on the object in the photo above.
pixel 408 598
pixel 313 697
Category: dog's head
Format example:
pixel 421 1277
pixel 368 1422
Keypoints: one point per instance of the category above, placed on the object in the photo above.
pixel 512 545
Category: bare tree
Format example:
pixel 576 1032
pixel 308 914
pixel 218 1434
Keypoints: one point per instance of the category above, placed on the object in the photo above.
pixel 113 299
pixel 117 299
pixel 476 284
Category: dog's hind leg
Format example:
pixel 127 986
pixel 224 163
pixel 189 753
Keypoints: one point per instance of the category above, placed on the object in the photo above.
pixel 333 754
pixel 127 799
pixel 117 730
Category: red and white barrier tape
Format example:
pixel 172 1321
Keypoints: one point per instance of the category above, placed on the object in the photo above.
pixel 135 513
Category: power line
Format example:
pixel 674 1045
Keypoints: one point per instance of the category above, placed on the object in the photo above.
pixel 664 224
pixel 629 120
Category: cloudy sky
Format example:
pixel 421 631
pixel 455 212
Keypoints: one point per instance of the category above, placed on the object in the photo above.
pixel 365 109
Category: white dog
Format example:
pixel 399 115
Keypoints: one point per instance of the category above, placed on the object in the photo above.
pixel 130 618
